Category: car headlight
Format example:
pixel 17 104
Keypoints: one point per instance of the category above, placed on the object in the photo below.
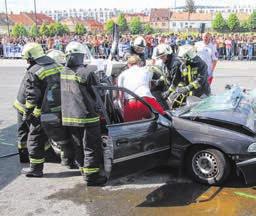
pixel 252 148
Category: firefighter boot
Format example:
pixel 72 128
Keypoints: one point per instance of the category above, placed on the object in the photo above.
pixel 35 170
pixel 24 156
pixel 95 179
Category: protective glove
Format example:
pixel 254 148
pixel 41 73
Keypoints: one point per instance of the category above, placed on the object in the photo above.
pixel 183 90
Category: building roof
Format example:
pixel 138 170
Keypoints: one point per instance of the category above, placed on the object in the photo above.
pixel 72 21
pixel 185 16
pixel 29 19
pixel 159 14
pixel 3 20
pixel 91 23
pixel 40 17
pixel 128 16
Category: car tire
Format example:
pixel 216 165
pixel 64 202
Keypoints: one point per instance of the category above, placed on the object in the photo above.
pixel 208 166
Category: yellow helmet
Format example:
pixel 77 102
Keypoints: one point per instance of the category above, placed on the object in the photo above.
pixel 57 55
pixel 32 51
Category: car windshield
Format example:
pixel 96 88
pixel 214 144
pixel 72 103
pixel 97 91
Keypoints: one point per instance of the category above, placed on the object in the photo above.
pixel 242 104
pixel 234 98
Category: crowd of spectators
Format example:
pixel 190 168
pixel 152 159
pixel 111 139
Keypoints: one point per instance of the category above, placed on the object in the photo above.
pixel 229 46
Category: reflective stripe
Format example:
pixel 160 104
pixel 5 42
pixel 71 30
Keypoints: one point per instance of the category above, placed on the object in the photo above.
pixel 36 161
pixel 49 72
pixel 20 107
pixel 47 146
pixel 189 74
pixel 72 77
pixel 37 112
pixel 55 109
pixel 29 105
pixel 195 84
pixel 171 89
pixel 80 120
pixel 22 145
pixel 89 170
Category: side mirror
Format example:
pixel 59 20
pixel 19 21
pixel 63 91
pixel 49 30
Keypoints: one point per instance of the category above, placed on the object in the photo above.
pixel 164 121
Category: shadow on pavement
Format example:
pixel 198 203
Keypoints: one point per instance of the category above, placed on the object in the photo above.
pixel 9 166
pixel 174 194
pixel 66 174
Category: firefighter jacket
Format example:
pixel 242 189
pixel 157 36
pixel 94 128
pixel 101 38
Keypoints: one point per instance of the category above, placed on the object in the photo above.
pixel 77 95
pixel 43 87
pixel 193 74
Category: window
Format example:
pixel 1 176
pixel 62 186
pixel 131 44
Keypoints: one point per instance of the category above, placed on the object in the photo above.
pixel 174 24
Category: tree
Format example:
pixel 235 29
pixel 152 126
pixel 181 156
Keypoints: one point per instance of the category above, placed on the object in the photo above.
pixel 233 22
pixel 190 6
pixel 252 21
pixel 52 30
pixel 66 29
pixel 44 30
pixel 19 30
pixel 148 29
pixel 219 24
pixel 109 25
pixel 135 25
pixel 122 22
pixel 33 31
pixel 245 26
pixel 59 29
pixel 80 29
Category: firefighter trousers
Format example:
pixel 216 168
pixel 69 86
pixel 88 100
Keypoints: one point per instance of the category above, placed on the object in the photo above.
pixel 36 144
pixel 88 148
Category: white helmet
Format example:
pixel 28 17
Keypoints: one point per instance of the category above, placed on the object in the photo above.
pixel 139 44
pixel 57 55
pixel 187 52
pixel 162 50
pixel 32 51
pixel 75 47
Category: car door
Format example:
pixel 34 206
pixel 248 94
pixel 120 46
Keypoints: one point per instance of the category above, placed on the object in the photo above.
pixel 144 143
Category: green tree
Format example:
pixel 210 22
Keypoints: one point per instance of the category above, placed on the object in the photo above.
pixel 109 25
pixel 147 29
pixel 66 29
pixel 59 29
pixel 52 30
pixel 135 25
pixel 33 31
pixel 80 29
pixel 19 30
pixel 233 22
pixel 245 26
pixel 252 21
pixel 122 22
pixel 190 6
pixel 219 23
pixel 44 30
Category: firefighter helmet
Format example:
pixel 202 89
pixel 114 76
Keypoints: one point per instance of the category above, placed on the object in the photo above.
pixel 162 50
pixel 57 55
pixel 75 47
pixel 139 44
pixel 187 52
pixel 32 51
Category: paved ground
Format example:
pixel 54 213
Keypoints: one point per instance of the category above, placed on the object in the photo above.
pixel 155 192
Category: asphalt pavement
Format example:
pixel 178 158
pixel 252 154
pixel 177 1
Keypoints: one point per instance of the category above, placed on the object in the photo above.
pixel 153 192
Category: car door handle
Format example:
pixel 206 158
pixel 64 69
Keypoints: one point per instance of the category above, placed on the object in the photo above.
pixel 122 141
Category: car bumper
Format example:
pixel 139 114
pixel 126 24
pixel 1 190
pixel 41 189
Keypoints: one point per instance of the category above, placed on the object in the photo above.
pixel 248 169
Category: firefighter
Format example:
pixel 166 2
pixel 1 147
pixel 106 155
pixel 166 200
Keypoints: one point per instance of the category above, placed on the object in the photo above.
pixel 41 97
pixel 138 48
pixel 22 126
pixel 193 73
pixel 78 113
pixel 58 133
pixel 169 64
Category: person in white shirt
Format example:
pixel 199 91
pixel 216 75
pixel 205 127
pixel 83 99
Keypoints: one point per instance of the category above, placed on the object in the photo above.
pixel 137 79
pixel 207 52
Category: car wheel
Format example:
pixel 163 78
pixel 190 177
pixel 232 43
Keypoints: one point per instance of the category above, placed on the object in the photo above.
pixel 208 166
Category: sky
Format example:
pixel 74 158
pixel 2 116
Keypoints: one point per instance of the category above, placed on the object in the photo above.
pixel 27 5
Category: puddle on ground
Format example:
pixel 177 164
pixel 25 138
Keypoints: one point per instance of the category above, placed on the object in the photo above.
pixel 173 198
